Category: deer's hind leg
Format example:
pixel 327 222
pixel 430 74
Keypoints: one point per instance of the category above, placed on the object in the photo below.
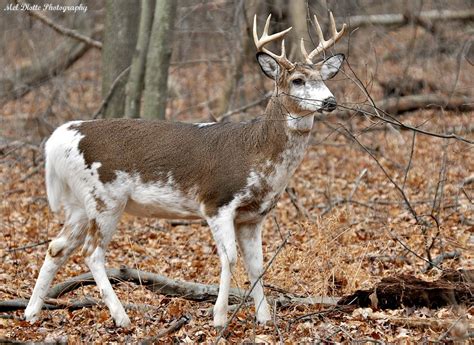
pixel 69 238
pixel 97 239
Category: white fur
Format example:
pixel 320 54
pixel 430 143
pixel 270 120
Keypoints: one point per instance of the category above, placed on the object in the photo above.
pixel 300 123
pixel 205 124
pixel 311 95
pixel 222 227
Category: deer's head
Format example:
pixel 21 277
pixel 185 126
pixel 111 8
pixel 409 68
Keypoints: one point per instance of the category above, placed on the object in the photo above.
pixel 300 86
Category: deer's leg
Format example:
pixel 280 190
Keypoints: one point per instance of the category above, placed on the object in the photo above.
pixel 98 237
pixel 222 227
pixel 249 237
pixel 70 237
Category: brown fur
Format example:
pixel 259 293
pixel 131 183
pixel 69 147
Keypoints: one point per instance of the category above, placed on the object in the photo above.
pixel 93 238
pixel 217 159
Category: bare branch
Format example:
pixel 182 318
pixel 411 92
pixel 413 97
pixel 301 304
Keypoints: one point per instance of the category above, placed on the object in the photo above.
pixel 61 29
pixel 244 108
pixel 110 93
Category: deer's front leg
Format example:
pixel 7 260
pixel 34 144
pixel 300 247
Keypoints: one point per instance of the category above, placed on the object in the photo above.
pixel 222 227
pixel 249 237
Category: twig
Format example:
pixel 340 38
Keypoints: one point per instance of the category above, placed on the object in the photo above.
pixel 28 246
pixel 280 337
pixel 356 184
pixel 31 173
pixel 397 187
pixel 453 324
pixel 243 108
pixel 391 119
pixel 178 222
pixel 405 176
pixel 172 328
pixel 440 258
pixel 415 253
pixel 109 94
pixel 300 209
pixel 61 29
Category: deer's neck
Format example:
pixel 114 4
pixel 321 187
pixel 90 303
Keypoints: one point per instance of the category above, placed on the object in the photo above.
pixel 293 132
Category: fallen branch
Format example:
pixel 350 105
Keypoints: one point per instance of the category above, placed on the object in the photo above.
pixel 399 105
pixel 171 329
pixel 61 29
pixel 55 304
pixel 408 322
pixel 394 19
pixel 404 104
pixel 154 282
pixel 50 304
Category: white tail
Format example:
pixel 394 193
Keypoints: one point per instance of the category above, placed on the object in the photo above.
pixel 230 174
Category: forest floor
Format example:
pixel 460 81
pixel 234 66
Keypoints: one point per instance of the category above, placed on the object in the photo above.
pixel 351 229
pixel 351 238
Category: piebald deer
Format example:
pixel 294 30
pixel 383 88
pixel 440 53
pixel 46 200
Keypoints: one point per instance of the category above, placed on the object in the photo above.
pixel 230 174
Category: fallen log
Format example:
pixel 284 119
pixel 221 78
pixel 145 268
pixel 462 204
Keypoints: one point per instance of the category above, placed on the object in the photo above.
pixel 404 104
pixel 452 288
pixel 399 105
pixel 154 282
pixel 397 19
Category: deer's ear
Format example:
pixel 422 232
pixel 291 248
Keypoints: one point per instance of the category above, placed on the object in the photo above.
pixel 269 66
pixel 331 66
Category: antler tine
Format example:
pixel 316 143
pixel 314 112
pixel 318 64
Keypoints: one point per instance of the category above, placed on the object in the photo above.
pixel 323 44
pixel 265 39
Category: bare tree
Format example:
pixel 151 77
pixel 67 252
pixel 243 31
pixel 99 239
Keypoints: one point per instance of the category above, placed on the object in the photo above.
pixel 158 60
pixel 120 36
pixel 137 71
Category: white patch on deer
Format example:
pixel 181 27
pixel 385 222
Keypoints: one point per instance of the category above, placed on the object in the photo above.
pixel 278 179
pixel 155 199
pixel 312 95
pixel 300 123
pixel 223 231
pixel 205 124
pixel 69 180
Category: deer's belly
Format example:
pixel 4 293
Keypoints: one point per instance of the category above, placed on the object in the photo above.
pixel 164 207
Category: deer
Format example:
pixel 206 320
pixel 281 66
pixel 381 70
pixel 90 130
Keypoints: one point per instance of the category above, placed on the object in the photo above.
pixel 231 174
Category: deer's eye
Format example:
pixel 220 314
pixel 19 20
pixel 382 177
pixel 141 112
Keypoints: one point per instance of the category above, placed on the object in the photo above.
pixel 298 82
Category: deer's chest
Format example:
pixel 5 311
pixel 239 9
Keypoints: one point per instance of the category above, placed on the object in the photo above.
pixel 266 184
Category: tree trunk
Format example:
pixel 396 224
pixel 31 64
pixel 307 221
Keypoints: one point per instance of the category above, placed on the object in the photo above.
pixel 135 82
pixel 158 60
pixel 120 36
pixel 301 27
pixel 240 52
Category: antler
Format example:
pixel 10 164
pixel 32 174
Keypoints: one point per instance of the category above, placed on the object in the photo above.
pixel 259 43
pixel 323 45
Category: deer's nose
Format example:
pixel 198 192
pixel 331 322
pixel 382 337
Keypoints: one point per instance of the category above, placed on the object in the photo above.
pixel 329 104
